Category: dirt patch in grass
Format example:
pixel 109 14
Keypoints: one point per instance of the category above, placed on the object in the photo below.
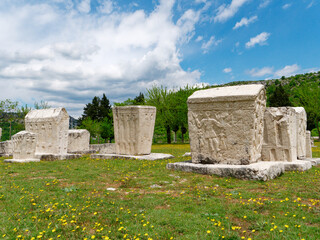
pixel 48 177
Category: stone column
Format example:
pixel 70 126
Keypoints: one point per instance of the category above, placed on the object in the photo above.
pixel 308 145
pixel 301 131
pixel 133 129
pixel 280 136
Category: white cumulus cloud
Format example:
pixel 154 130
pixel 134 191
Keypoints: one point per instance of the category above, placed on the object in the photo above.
pixel 227 70
pixel 84 6
pixel 225 12
pixel 256 72
pixel 245 22
pixel 286 6
pixel 264 3
pixel 66 53
pixel 211 42
pixel 259 39
pixel 287 70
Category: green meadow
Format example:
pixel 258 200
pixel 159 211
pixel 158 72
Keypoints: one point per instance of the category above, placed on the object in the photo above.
pixel 126 199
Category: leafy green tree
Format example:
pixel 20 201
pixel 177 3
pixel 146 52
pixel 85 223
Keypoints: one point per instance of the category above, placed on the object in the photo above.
pixel 97 118
pixel 107 131
pixel 279 98
pixel 104 108
pixel 308 96
pixel 41 105
pixel 98 109
pixel 92 110
pixel 139 100
pixel 24 110
pixel 93 126
pixel 160 98
pixel 8 111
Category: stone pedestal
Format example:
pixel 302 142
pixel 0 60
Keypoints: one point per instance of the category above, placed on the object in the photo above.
pixel 226 124
pixel 308 145
pixel 133 129
pixel 78 140
pixel 301 131
pixel 51 126
pixel 280 136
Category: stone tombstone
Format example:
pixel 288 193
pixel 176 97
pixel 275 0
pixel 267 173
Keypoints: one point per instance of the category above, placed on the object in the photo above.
pixel 226 124
pixel 6 148
pixel 0 133
pixel 301 131
pixel 308 145
pixel 280 136
pixel 78 140
pixel 133 129
pixel 51 126
pixel 24 145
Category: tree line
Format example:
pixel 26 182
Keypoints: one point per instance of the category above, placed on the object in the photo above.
pixel 172 110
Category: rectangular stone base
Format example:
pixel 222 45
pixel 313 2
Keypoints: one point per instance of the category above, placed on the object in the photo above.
pixel 297 165
pixel 83 152
pixel 54 157
pixel 21 160
pixel 256 171
pixel 151 157
pixel 314 161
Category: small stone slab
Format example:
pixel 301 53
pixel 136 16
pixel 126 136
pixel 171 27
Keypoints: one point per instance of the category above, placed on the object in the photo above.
pixel 54 157
pixel 297 165
pixel 21 160
pixel 256 171
pixel 187 154
pixel 314 161
pixel 150 157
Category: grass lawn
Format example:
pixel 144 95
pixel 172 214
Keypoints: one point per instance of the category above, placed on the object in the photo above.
pixel 127 199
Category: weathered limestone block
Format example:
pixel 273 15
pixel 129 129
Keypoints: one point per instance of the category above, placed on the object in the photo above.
pixel 280 136
pixel 51 126
pixel 24 145
pixel 301 131
pixel 78 140
pixel 105 148
pixel 133 129
pixel 6 148
pixel 308 145
pixel 226 124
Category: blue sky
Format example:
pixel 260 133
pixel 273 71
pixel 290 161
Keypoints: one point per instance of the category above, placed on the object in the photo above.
pixel 66 52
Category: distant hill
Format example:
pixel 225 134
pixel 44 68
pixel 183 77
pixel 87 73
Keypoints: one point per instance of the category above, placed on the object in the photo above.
pixel 301 89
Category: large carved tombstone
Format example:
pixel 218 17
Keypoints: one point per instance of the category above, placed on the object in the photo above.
pixel 78 140
pixel 24 145
pixel 133 129
pixel 280 136
pixel 226 124
pixel 301 131
pixel 51 126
